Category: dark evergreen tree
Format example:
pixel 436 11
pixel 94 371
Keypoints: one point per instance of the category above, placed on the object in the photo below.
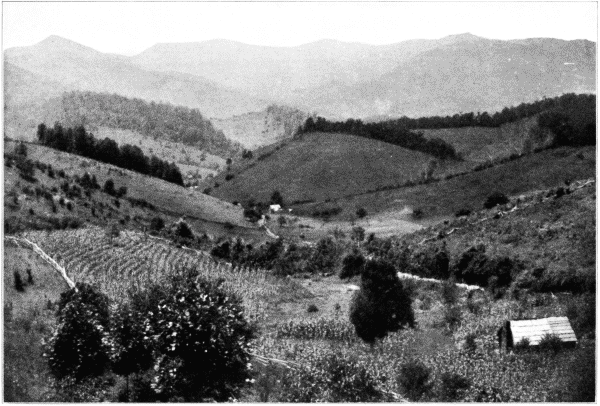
pixel 381 305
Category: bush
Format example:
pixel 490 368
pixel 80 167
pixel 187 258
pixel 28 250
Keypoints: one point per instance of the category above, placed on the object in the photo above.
pixel 462 212
pixel 324 257
pixel 381 305
pixel 470 345
pixel 122 191
pixel 335 377
pixel 550 343
pixel 452 385
pixel 229 176
pixel 358 234
pixel 413 379
pixel 157 224
pixel 312 308
pixel 352 265
pixel 109 187
pixel 79 345
pixel 19 285
pixel 495 199
pixel 361 212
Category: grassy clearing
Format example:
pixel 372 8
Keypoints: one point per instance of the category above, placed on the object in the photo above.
pixel 481 144
pixel 319 167
pixel 541 170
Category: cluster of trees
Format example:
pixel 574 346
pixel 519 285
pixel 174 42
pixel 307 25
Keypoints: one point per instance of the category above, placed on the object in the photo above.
pixel 78 141
pixel 507 115
pixel 185 340
pixel 388 131
pixel 157 120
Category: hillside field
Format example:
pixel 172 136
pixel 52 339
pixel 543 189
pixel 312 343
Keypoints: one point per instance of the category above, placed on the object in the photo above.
pixel 204 213
pixel 549 168
pixel 318 167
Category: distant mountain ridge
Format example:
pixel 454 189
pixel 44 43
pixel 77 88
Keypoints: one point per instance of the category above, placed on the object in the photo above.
pixel 77 67
pixel 335 79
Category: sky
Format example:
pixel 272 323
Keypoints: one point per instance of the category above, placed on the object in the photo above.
pixel 130 27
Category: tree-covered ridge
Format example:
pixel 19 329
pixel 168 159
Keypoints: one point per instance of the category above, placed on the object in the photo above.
pixel 568 102
pixel 157 120
pixel 78 141
pixel 385 131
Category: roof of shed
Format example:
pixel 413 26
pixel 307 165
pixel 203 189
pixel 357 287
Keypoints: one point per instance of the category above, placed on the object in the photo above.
pixel 535 330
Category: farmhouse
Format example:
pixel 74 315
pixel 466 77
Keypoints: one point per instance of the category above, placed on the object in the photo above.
pixel 515 331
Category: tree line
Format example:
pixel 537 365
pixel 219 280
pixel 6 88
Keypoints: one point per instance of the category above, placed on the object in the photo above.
pixel 78 141
pixel 388 131
pixel 156 120
pixel 507 115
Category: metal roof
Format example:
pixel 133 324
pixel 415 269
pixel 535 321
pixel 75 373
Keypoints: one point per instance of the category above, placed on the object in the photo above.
pixel 535 330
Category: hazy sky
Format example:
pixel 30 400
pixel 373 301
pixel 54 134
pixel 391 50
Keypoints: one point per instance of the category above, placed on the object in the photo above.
pixel 129 28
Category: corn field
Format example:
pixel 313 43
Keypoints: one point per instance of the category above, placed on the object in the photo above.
pixel 133 260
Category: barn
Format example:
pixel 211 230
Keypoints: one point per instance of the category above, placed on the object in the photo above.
pixel 515 331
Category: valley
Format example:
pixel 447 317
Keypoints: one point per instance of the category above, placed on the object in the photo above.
pixel 327 222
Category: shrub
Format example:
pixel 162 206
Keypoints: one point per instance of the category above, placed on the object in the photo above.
pixel 470 345
pixel 451 386
pixel 157 224
pixel 122 191
pixel 324 257
pixel 29 277
pixel 182 229
pixel 381 305
pixel 463 212
pixel 352 264
pixel 335 377
pixel 312 308
pixel 418 213
pixel 19 285
pixel 229 176
pixel 523 344
pixel 79 345
pixel 358 233
pixel 449 292
pixel 276 198
pixel 413 379
pixel 550 343
pixel 495 199
pixel 361 212
pixel 452 317
pixel 109 187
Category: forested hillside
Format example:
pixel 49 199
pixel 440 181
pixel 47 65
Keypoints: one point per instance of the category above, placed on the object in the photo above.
pixel 574 104
pixel 386 132
pixel 156 120
pixel 79 141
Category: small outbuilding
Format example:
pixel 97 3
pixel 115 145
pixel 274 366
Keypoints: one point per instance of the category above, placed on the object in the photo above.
pixel 274 208
pixel 515 331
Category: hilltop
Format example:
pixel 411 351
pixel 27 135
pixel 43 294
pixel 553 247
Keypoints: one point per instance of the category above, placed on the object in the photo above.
pixel 77 67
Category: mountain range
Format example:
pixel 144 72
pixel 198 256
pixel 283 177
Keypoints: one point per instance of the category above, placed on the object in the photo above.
pixel 335 79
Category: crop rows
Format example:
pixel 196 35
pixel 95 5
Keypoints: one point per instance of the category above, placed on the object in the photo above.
pixel 134 260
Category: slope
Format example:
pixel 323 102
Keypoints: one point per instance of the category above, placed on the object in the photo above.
pixel 146 197
pixel 320 166
pixel 542 170
pixel 471 75
pixel 257 129
pixel 78 67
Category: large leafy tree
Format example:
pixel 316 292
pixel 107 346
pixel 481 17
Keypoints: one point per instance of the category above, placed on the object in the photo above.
pixel 381 305
pixel 79 347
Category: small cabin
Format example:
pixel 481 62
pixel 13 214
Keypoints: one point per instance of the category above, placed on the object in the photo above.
pixel 515 331
pixel 274 208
